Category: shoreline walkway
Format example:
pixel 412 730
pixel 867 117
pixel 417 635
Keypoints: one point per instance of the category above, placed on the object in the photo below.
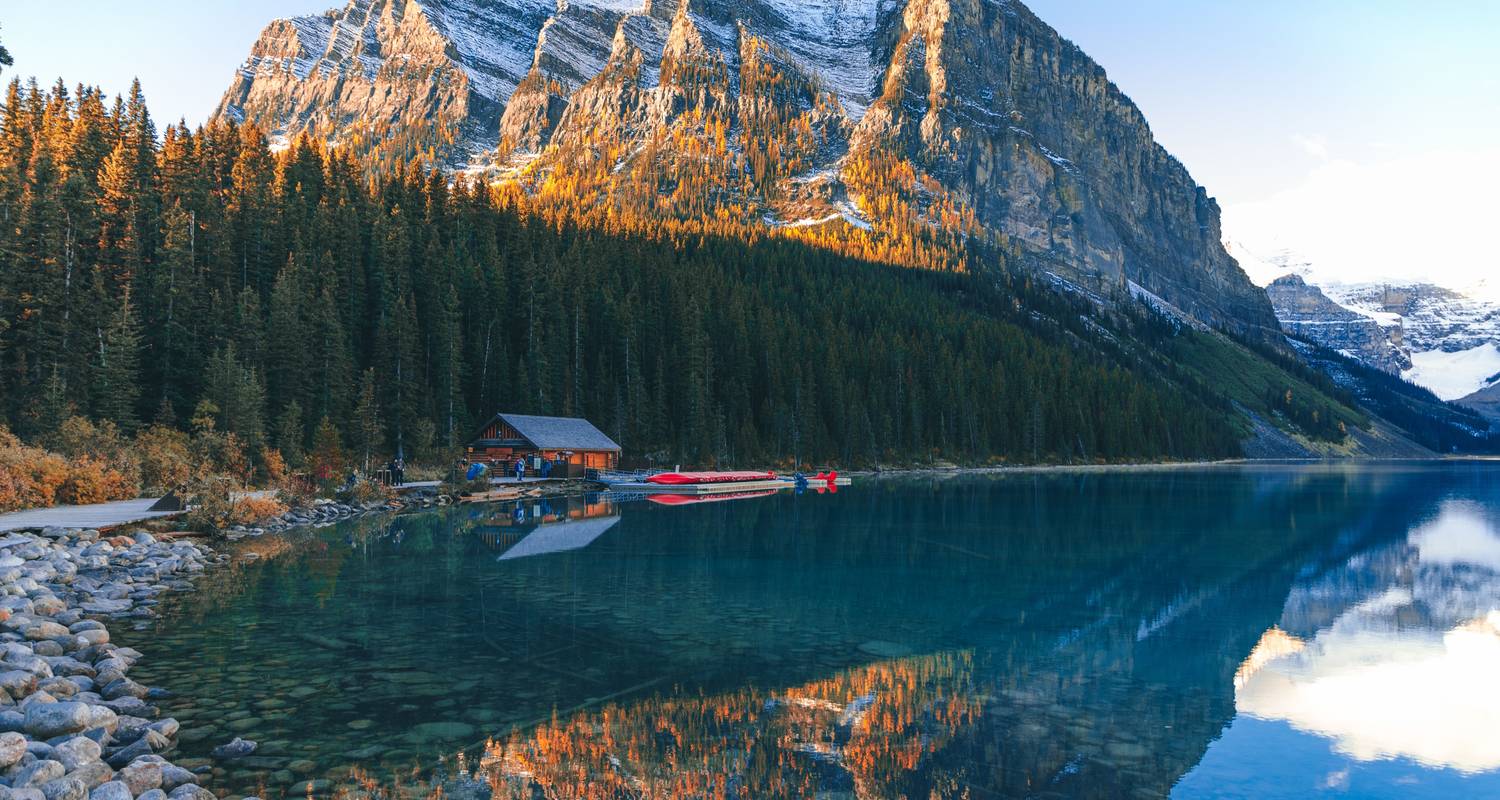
pixel 97 515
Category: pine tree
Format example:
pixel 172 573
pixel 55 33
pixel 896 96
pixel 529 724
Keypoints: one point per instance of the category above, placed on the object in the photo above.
pixel 289 434
pixel 116 374
pixel 368 429
pixel 288 358
pixel 327 456
pixel 238 395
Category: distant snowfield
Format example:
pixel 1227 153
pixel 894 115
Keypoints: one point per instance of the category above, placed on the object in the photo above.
pixel 1454 376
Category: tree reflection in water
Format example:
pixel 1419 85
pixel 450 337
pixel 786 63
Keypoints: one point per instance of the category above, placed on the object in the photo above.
pixel 865 731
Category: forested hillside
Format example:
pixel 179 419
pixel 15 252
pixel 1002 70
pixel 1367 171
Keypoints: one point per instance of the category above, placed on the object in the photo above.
pixel 144 275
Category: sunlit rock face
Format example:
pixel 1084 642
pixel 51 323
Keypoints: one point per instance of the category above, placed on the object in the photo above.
pixel 446 69
pixel 908 120
pixel 1395 655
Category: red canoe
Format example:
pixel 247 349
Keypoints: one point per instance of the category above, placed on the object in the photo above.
pixel 688 499
pixel 691 478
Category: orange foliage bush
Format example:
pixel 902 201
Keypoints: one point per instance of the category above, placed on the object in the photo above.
pixel 29 476
pixel 91 480
pixel 165 457
pixel 250 510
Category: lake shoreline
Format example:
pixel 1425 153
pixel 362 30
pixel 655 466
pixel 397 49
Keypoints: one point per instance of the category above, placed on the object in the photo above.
pixel 74 726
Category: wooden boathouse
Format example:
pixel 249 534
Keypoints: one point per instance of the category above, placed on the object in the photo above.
pixel 573 445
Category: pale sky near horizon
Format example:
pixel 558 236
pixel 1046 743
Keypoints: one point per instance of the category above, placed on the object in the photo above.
pixel 1363 133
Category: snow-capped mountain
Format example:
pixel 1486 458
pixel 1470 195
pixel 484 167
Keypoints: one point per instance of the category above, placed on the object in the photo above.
pixel 902 121
pixel 1443 339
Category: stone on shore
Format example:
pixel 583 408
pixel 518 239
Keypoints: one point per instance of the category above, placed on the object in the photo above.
pixel 77 752
pixel 12 749
pixel 191 791
pixel 38 773
pixel 141 776
pixel 113 790
pixel 65 789
pixel 47 720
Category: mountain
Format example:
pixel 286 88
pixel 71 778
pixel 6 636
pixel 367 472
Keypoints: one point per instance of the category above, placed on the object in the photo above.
pixel 1306 312
pixel 1445 340
pixel 918 127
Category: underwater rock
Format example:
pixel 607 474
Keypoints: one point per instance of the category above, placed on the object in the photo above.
pixel 238 748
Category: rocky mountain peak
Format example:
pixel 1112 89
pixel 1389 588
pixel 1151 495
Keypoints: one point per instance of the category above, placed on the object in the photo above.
pixel 900 121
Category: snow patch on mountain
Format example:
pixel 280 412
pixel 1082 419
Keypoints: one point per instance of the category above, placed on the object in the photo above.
pixel 1263 269
pixel 830 38
pixel 1454 376
pixel 494 50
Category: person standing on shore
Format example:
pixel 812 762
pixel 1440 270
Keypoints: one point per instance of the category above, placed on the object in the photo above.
pixel 520 470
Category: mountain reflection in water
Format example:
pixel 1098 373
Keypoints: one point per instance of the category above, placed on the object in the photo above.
pixel 1392 660
pixel 1249 631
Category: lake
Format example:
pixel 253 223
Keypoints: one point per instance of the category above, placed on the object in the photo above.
pixel 1255 631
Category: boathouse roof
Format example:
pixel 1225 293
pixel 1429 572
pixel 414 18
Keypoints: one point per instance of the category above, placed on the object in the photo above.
pixel 558 433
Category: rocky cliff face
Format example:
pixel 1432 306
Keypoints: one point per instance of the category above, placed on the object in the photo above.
pixel 900 120
pixel 443 71
pixel 1304 311
pixel 1434 318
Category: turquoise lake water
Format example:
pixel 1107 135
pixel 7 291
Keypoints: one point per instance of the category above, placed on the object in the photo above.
pixel 1255 631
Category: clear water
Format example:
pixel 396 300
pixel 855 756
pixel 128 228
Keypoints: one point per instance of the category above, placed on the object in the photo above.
pixel 1258 632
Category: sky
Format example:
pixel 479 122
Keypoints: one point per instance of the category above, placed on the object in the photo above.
pixel 1364 134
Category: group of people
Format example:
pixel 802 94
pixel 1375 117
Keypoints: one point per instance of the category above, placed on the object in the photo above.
pixel 520 469
pixel 475 470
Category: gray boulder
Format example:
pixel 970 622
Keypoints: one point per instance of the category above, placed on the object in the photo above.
pixel 113 790
pixel 38 773
pixel 77 751
pixel 65 789
pixel 142 776
pixel 173 776
pixel 12 748
pixel 18 683
pixel 92 774
pixel 47 720
pixel 191 791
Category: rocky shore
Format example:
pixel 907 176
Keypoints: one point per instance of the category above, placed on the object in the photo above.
pixel 73 725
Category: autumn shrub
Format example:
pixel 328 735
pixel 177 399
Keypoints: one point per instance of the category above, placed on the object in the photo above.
pixel 29 476
pixel 166 459
pixel 216 502
pixel 94 480
pixel 101 461
pixel 365 491
pixel 272 466
pixel 257 508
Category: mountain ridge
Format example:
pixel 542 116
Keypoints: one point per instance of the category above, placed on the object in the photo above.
pixel 896 121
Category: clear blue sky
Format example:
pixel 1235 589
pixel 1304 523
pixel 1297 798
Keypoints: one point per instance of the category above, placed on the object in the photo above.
pixel 1257 98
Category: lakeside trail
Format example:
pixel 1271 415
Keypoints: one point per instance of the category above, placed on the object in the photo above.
pixel 94 515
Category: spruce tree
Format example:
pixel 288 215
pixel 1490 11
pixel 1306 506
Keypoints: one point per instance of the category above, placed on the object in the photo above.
pixel 116 373
pixel 368 428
